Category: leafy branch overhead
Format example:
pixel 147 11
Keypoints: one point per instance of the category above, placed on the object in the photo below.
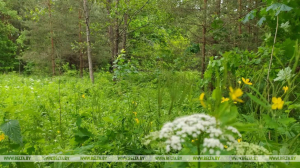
pixel 275 7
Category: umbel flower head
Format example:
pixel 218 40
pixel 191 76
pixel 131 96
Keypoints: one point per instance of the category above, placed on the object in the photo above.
pixel 284 74
pixel 245 148
pixel 186 128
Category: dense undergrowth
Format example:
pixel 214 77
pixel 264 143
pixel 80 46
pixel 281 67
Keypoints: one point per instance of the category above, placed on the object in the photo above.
pixel 69 115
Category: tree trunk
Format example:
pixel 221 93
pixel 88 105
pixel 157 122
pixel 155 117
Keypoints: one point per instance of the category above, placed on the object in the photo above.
pixel 204 39
pixel 249 9
pixel 117 34
pixel 110 35
pixel 240 16
pixel 218 7
pixel 125 31
pixel 256 28
pixel 85 6
pixel 52 42
pixel 80 47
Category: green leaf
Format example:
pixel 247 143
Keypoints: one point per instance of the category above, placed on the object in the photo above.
pixel 270 123
pixel 254 98
pixel 229 116
pixel 12 130
pixel 279 7
pixel 249 16
pixel 259 94
pixel 249 118
pixel 261 20
pixel 109 119
pixel 286 121
pixel 78 121
pixel 84 132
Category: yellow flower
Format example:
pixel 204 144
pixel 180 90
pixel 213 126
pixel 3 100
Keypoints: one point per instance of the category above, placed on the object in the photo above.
pixel 239 82
pixel 225 146
pixel 58 132
pixel 224 99
pixel 135 113
pixel 201 98
pixel 235 94
pixel 2 137
pixel 239 140
pixel 285 88
pixel 83 96
pixel 277 103
pixel 135 103
pixel 247 81
pixel 137 120
pixel 193 140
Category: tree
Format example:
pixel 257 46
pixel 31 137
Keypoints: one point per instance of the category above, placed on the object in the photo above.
pixel 7 46
pixel 85 6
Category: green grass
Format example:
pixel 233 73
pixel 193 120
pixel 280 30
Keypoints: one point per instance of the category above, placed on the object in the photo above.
pixel 69 115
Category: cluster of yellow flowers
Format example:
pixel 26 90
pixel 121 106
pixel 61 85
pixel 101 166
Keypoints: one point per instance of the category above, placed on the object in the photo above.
pixel 135 113
pixel 134 103
pixel 136 119
pixel 193 140
pixel 235 95
pixel 2 137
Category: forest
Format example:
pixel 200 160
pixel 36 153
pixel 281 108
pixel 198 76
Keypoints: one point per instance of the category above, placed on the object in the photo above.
pixel 150 77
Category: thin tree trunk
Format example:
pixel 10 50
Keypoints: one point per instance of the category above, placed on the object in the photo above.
pixel 117 34
pixel 240 16
pixel 204 40
pixel 110 35
pixel 80 47
pixel 85 6
pixel 256 29
pixel 218 7
pixel 125 31
pixel 52 42
pixel 249 9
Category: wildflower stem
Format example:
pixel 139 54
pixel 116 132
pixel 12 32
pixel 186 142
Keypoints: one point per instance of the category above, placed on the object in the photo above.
pixel 61 134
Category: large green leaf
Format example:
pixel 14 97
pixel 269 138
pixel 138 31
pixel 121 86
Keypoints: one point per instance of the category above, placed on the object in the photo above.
pixel 12 130
pixel 279 7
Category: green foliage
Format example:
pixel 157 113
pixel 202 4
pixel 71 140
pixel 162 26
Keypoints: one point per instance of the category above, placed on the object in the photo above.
pixel 122 67
pixel 13 130
pixel 7 47
pixel 155 81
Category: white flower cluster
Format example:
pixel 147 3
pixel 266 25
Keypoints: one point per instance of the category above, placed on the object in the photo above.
pixel 151 137
pixel 245 148
pixel 284 74
pixel 197 126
